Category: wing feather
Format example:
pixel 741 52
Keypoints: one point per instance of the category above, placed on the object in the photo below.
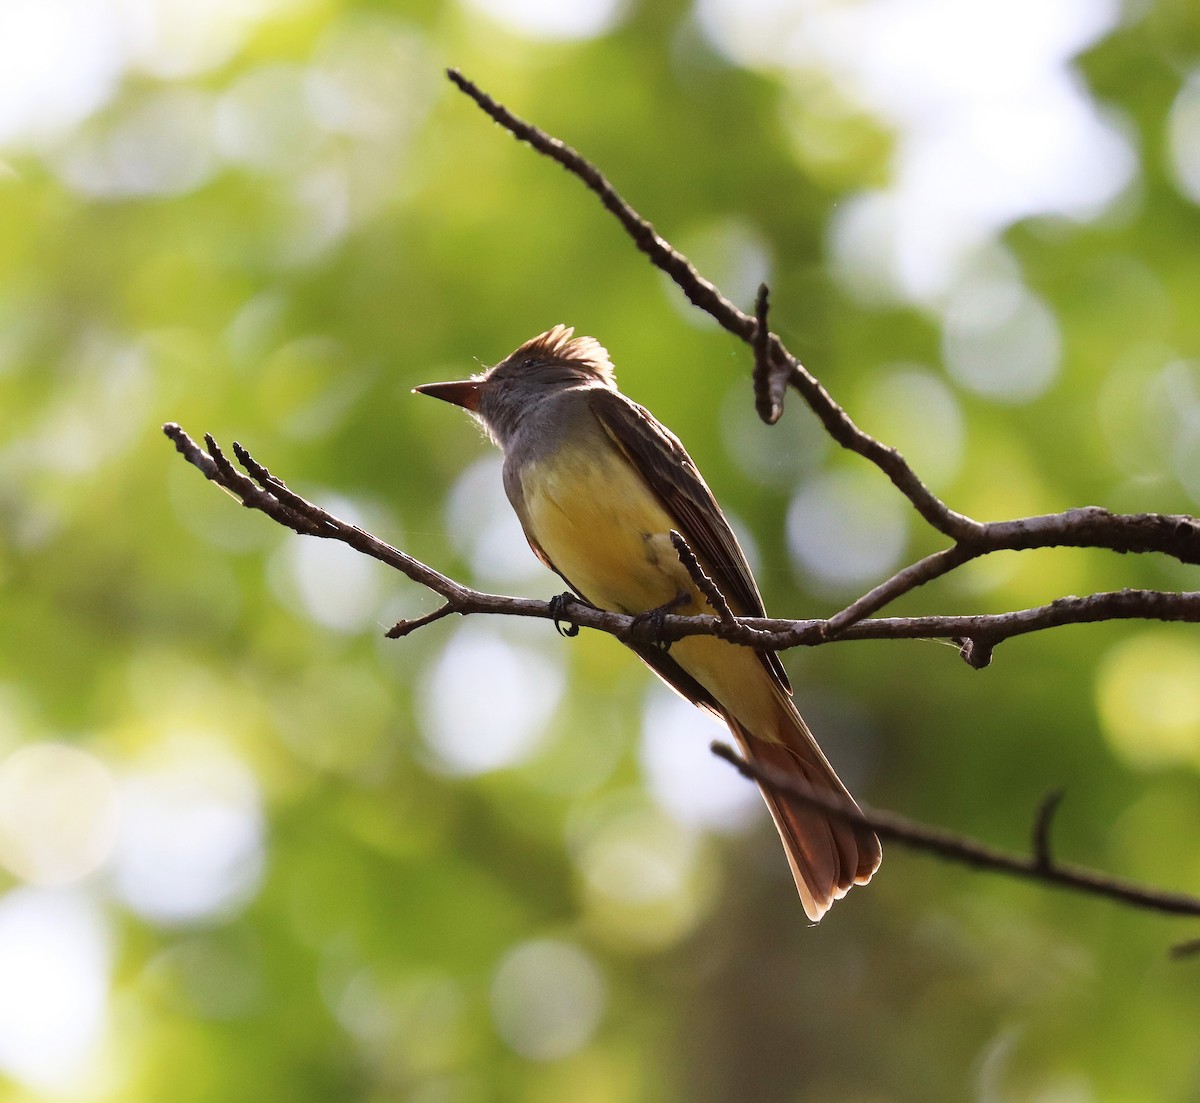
pixel 668 471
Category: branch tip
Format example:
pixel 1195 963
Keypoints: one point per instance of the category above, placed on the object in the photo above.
pixel 404 628
pixel 705 584
pixel 770 381
pixel 976 652
pixel 967 851
pixel 1042 856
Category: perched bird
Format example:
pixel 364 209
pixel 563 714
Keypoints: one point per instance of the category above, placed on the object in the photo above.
pixel 599 484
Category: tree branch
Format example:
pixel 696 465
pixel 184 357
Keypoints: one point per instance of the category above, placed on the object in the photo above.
pixel 776 368
pixel 700 291
pixel 703 294
pixel 1089 526
pixel 770 382
pixel 264 492
pixel 1040 867
pixel 703 583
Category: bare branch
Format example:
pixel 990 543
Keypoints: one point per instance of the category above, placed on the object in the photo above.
pixel 775 368
pixel 705 584
pixel 1177 535
pixel 700 292
pixel 916 574
pixel 1090 526
pixel 275 500
pixel 770 384
pixel 404 628
pixel 976 635
pixel 270 495
pixel 960 848
pixel 1041 828
pixel 984 631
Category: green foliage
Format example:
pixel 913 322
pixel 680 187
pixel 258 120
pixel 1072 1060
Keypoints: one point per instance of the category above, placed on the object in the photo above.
pixel 336 225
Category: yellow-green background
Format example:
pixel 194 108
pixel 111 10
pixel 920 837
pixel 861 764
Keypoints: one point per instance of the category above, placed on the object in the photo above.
pixel 287 290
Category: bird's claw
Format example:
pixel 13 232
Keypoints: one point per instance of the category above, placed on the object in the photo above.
pixel 558 613
pixel 648 626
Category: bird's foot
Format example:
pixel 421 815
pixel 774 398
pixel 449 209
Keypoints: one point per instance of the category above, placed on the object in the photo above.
pixel 648 627
pixel 563 624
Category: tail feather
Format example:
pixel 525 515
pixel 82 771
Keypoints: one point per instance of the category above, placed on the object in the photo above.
pixel 828 855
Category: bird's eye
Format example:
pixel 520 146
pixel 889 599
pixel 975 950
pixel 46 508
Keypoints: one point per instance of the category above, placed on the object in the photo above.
pixel 532 362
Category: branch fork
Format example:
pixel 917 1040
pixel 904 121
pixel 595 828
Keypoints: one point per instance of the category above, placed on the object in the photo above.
pixel 776 370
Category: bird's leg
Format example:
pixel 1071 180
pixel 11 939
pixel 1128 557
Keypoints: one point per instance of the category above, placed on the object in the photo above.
pixel 558 611
pixel 648 626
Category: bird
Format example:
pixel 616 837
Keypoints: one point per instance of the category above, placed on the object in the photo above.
pixel 600 485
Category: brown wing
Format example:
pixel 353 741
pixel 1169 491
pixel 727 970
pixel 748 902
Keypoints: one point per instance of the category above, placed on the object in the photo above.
pixel 661 460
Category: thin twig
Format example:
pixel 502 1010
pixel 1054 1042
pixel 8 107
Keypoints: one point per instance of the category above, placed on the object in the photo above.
pixel 775 366
pixel 1177 535
pixel 976 634
pixel 705 584
pixel 705 295
pixel 699 290
pixel 916 574
pixel 300 515
pixel 960 848
pixel 1089 527
pixel 1042 823
pixel 404 628
pixel 769 384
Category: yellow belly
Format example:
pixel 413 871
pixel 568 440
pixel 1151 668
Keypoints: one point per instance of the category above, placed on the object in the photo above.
pixel 606 533
pixel 596 520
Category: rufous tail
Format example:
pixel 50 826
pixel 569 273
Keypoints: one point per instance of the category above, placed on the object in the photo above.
pixel 828 855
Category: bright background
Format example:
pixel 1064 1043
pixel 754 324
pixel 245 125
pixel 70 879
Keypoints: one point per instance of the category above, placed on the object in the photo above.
pixel 253 850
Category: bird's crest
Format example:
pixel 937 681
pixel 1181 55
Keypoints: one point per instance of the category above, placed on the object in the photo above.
pixel 560 344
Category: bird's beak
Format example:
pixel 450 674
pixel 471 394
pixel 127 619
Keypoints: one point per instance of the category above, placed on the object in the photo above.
pixel 464 393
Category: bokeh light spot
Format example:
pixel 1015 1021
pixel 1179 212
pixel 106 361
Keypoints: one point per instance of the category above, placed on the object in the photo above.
pixel 686 779
pixel 1170 410
pixel 178 38
pixel 755 449
pixel 58 813
pixel 160 146
pixel 991 123
pixel 548 997
pixel 733 254
pixel 338 588
pixel 552 19
pixel 485 530
pixel 54 964
pixel 1137 835
pixel 1000 342
pixel 191 840
pixel 1183 138
pixel 487 701
pixel 261 122
pixel 59 61
pixel 1148 696
pixel 645 878
pixel 915 412
pixel 846 528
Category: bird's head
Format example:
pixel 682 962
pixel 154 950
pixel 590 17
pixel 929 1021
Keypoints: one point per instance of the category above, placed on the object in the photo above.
pixel 552 361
